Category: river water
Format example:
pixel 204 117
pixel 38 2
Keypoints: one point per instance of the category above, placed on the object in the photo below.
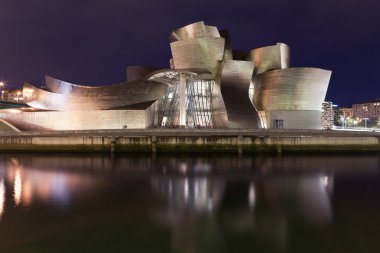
pixel 189 203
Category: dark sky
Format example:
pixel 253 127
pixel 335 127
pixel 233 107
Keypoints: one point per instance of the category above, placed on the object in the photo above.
pixel 92 41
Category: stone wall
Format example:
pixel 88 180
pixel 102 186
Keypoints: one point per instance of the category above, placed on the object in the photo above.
pixel 160 142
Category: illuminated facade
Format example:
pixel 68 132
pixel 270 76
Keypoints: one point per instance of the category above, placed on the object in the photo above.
pixel 207 85
pixel 370 109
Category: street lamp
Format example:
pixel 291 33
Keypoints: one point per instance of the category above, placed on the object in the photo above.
pixel 365 122
pixel 342 119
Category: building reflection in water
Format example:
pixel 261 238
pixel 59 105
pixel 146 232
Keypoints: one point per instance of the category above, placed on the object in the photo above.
pixel 252 196
pixel 202 200
pixel 28 184
pixel 17 184
pixel 190 194
pixel 2 198
pixel 271 204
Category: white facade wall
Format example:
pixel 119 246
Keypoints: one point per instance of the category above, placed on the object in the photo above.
pixel 302 119
pixel 78 120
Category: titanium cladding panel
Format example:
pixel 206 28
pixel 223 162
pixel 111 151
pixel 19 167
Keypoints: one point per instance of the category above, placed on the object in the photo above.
pixel 199 53
pixel 270 58
pixel 93 98
pixel 291 89
pixel 228 55
pixel 212 31
pixel 235 81
pixel 195 30
pixel 58 86
pixel 42 99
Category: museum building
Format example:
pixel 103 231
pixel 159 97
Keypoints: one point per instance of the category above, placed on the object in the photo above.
pixel 208 84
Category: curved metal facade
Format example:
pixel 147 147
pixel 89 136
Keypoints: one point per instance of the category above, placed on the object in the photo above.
pixel 195 30
pixel 212 31
pixel 270 58
pixel 66 96
pixel 228 55
pixel 291 89
pixel 291 98
pixel 204 53
pixel 42 99
pixel 235 81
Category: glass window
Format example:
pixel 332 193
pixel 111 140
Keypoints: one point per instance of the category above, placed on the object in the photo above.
pixel 279 123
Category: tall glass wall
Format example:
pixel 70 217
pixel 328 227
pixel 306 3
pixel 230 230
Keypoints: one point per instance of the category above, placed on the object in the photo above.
pixel 198 96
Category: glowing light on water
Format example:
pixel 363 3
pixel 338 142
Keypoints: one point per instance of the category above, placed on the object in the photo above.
pixel 186 190
pixel 17 188
pixel 251 196
pixel 2 198
pixel 325 181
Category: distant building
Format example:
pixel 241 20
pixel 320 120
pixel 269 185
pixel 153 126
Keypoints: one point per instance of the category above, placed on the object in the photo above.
pixel 369 109
pixel 343 112
pixel 12 95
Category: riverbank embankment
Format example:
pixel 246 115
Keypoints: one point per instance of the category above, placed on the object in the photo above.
pixel 192 140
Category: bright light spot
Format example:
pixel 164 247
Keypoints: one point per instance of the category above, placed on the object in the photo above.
pixel 14 111
pixel 164 120
pixel 28 92
pixel 2 84
pixel 17 188
pixel 251 196
pixel 2 198
pixel 325 181
pixel 186 190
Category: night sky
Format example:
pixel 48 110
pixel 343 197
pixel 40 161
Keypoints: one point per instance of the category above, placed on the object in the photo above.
pixel 92 41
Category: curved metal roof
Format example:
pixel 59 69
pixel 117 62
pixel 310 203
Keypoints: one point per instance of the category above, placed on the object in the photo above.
pixel 67 96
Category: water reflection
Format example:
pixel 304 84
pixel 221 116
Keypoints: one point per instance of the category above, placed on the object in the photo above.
pixel 192 194
pixel 308 197
pixel 41 184
pixel 200 202
pixel 17 187
pixel 265 205
pixel 251 196
pixel 2 198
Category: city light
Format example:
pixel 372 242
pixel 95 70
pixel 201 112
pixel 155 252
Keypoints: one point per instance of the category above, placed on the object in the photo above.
pixel 18 96
pixel 2 84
